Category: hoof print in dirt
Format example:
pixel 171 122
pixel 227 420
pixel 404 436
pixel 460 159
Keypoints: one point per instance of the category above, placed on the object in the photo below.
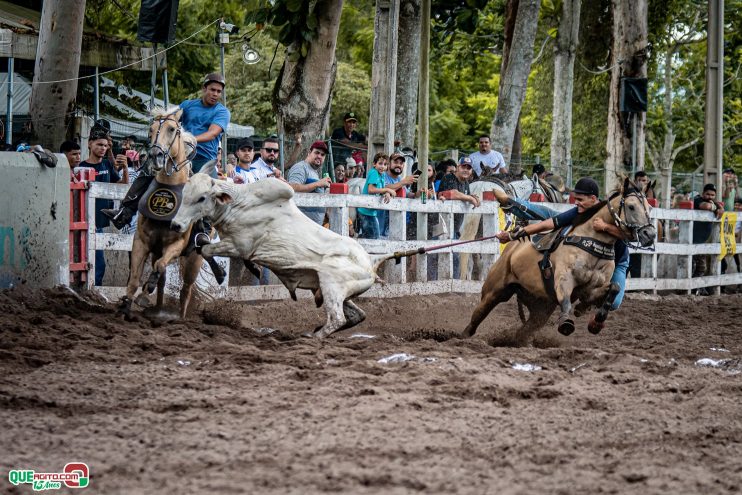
pixel 437 334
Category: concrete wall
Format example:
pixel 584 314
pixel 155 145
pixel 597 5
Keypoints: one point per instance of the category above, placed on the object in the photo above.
pixel 34 221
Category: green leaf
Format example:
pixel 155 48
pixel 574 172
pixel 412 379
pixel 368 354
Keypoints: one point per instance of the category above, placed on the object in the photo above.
pixel 311 21
pixel 304 49
pixel 552 32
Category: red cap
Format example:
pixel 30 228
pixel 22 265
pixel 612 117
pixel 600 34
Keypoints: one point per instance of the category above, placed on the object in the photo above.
pixel 319 145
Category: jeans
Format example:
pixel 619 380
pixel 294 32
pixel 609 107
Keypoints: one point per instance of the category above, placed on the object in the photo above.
pixel 536 208
pixel 369 227
pixel 383 217
pixel 619 272
pixel 100 262
pixel 198 163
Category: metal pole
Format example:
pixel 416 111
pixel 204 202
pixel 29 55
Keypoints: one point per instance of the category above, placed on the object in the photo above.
pixel 224 101
pixel 96 95
pixel 9 107
pixel 165 88
pixel 423 100
pixel 153 80
pixel 332 161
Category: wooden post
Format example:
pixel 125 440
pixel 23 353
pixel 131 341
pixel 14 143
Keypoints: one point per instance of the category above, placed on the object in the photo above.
pixel 713 129
pixel 424 97
pixel 383 79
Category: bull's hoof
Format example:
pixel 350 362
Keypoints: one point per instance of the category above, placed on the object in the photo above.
pixel 595 326
pixel 151 284
pixel 468 332
pixel 566 326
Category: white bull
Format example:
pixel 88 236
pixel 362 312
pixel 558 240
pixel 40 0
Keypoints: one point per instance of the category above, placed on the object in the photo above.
pixel 260 223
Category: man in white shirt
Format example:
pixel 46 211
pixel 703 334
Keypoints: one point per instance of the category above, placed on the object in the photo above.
pixel 487 156
pixel 266 164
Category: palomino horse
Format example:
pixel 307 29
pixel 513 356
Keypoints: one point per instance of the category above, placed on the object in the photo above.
pixel 576 273
pixel 168 157
pixel 520 189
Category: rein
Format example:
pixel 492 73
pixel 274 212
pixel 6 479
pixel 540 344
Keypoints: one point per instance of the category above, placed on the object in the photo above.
pixel 169 160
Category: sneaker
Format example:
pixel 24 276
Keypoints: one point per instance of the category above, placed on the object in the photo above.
pixel 119 218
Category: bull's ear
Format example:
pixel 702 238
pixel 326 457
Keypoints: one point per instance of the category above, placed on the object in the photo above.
pixel 208 168
pixel 222 195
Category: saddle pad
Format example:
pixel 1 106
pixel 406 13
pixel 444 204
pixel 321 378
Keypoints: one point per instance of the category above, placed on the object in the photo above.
pixel 161 201
pixel 599 249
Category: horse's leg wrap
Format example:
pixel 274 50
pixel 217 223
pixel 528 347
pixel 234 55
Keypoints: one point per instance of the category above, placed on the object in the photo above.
pixel 597 323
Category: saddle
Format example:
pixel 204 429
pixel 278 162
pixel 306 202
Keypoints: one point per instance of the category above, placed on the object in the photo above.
pixel 548 243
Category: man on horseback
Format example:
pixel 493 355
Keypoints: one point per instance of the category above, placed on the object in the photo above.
pixel 205 118
pixel 586 196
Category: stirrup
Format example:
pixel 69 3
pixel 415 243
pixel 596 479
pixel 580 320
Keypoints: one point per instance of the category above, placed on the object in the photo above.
pixel 201 239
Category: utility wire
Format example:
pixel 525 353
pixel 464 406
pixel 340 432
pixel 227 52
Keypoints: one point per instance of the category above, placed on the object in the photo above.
pixel 133 63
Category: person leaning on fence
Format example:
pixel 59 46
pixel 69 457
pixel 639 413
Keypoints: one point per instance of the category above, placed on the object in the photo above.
pixel 393 180
pixel 586 196
pixel 458 182
pixel 369 221
pixel 702 230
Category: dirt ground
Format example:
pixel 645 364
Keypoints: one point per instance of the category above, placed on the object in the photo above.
pixel 216 404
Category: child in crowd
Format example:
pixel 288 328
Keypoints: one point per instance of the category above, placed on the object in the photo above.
pixel 374 185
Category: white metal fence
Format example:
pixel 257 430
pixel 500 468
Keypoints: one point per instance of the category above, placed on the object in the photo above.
pixel 669 267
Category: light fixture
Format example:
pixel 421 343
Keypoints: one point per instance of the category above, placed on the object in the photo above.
pixel 249 55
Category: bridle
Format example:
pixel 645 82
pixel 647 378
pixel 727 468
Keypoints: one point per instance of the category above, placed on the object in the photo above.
pixel 169 160
pixel 630 229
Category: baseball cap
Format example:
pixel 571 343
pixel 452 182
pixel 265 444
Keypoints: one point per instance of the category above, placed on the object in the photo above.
pixel 728 171
pixel 350 116
pixel 214 77
pixel 350 162
pixel 396 155
pixel 244 143
pixel 319 145
pixel 709 187
pixel 587 185
pixel 465 160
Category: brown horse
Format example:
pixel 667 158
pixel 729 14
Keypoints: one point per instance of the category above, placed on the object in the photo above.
pixel 168 156
pixel 577 274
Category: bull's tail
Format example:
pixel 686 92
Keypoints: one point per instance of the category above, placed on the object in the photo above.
pixel 378 259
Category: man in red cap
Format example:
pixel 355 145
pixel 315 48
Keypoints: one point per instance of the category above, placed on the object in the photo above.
pixel 304 177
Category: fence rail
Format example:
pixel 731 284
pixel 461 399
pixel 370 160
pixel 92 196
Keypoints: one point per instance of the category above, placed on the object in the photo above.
pixel 668 267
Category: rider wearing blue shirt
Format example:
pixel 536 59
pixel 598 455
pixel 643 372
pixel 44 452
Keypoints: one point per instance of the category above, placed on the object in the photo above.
pixel 586 195
pixel 206 119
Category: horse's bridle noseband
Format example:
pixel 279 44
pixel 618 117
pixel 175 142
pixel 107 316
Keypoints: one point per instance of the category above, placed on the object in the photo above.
pixel 176 167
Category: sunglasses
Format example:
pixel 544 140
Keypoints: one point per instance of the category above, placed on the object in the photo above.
pixel 271 150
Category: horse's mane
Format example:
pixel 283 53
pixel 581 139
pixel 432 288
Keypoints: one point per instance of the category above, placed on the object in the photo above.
pixel 589 213
pixel 161 112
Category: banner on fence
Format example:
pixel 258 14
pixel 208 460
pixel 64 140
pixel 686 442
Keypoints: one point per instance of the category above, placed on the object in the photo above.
pixel 728 243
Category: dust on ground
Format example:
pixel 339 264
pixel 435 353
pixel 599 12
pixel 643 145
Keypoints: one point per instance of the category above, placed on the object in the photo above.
pixel 233 400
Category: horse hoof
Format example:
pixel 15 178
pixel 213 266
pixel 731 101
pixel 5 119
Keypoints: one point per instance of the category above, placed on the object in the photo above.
pixel 566 327
pixel 594 327
pixel 468 332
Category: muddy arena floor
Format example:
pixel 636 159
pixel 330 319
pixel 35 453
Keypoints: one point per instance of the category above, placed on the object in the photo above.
pixel 219 405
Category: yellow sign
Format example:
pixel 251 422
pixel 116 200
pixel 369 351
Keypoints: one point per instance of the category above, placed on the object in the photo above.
pixel 728 243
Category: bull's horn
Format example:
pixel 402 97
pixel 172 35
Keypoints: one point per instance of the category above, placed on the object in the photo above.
pixel 209 168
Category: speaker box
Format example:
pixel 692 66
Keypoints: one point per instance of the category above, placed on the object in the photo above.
pixel 157 21
pixel 633 94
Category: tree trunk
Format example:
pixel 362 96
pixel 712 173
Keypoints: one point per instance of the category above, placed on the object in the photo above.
pixel 301 98
pixel 57 59
pixel 515 77
pixel 564 78
pixel 408 70
pixel 628 59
